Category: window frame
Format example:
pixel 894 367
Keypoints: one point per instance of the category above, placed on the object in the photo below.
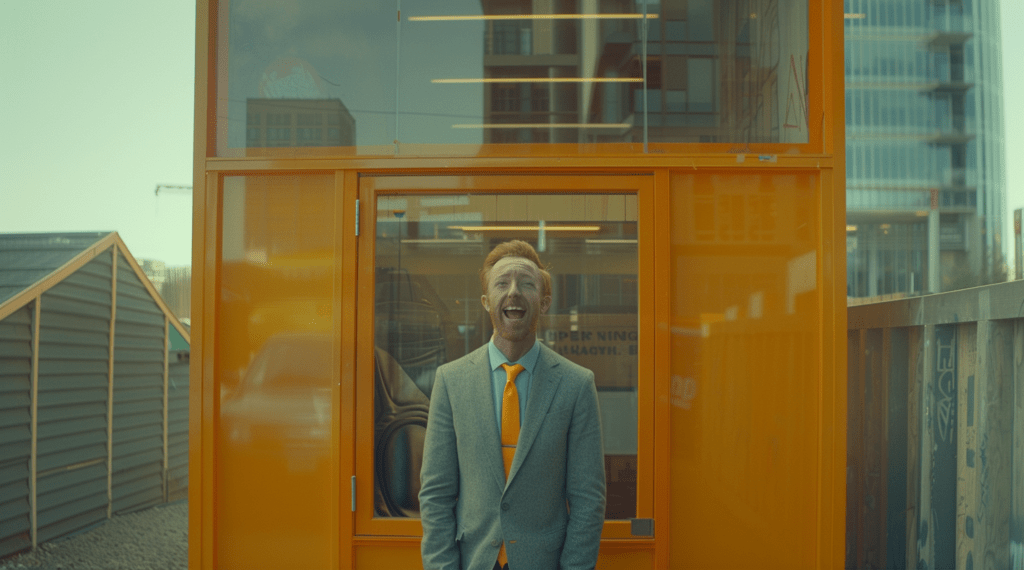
pixel 367 526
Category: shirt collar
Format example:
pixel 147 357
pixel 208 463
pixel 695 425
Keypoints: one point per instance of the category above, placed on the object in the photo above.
pixel 529 360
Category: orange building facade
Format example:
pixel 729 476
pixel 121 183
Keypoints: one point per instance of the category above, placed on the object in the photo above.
pixel 679 166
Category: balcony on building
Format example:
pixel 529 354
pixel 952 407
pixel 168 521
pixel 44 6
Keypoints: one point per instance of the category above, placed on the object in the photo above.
pixel 952 130
pixel 949 78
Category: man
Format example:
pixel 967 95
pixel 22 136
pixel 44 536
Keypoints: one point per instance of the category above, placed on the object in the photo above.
pixel 492 498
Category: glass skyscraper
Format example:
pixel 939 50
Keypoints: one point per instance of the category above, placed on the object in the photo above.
pixel 924 131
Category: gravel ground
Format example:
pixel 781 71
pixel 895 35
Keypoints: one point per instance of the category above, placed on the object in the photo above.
pixel 156 538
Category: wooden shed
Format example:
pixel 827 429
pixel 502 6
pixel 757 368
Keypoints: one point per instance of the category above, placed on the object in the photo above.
pixel 93 387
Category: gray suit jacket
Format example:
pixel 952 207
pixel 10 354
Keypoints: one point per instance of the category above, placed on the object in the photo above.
pixel 551 510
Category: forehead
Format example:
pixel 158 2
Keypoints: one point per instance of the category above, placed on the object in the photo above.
pixel 512 266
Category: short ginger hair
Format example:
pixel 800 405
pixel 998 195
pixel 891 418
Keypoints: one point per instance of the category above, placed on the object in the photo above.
pixel 514 248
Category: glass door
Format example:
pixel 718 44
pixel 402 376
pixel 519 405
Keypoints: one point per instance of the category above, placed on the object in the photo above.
pixel 422 244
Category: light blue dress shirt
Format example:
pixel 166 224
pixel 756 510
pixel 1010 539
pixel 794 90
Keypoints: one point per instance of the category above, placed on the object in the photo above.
pixel 499 377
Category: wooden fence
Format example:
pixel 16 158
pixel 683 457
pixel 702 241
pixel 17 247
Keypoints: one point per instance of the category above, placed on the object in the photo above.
pixel 935 475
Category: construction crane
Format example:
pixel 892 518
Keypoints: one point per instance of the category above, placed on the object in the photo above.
pixel 171 188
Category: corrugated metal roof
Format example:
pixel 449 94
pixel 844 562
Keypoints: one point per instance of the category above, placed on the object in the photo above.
pixel 32 263
pixel 27 258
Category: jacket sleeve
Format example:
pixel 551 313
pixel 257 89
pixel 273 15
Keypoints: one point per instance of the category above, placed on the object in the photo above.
pixel 585 482
pixel 439 483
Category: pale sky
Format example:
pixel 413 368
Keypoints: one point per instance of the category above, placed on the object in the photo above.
pixel 98 106
pixel 97 100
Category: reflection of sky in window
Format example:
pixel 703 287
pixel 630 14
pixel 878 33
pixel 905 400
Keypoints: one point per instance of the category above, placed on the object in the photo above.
pixel 358 54
pixel 437 50
pixel 311 49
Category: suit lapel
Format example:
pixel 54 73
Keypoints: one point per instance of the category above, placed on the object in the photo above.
pixel 479 390
pixel 542 391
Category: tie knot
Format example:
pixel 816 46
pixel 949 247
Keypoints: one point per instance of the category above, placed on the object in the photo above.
pixel 512 370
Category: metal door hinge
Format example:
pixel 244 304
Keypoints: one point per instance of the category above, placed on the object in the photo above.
pixel 353 492
pixel 357 234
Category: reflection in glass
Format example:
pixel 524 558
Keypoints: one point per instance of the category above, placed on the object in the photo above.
pixel 520 71
pixel 746 366
pixel 273 359
pixel 328 63
pixel 428 255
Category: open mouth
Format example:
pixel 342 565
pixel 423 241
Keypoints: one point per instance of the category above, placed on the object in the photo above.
pixel 514 313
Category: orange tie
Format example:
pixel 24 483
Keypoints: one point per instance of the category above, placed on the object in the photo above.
pixel 509 428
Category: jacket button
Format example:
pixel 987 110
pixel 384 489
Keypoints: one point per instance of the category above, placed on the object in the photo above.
pixel 504 506
pixel 495 543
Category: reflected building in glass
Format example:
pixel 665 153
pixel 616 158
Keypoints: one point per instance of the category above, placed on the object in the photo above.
pixel 712 75
pixel 924 167
pixel 298 122
pixel 515 72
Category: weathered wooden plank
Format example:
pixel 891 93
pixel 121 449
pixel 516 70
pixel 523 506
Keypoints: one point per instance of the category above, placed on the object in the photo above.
pixel 965 305
pixel 854 444
pixel 915 379
pixel 967 531
pixel 995 445
pixel 925 546
pixel 896 368
pixel 942 477
pixel 874 505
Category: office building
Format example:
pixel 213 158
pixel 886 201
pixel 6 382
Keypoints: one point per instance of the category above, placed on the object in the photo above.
pixel 924 169
pixel 298 122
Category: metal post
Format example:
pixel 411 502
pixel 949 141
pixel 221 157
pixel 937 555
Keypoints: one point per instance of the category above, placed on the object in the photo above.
pixel 167 332
pixel 398 67
pixel 934 286
pixel 1018 261
pixel 110 382
pixel 643 54
pixel 925 545
pixel 552 105
pixel 873 263
pixel 34 423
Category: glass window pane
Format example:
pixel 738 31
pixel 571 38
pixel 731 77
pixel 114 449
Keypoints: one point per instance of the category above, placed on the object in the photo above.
pixel 460 74
pixel 274 371
pixel 316 58
pixel 745 320
pixel 428 311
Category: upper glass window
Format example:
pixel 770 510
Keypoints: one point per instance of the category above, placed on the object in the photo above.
pixel 371 78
